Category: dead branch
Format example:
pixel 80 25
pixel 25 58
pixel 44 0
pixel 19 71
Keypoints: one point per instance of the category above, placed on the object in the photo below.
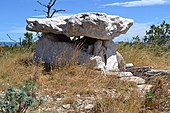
pixel 14 40
pixel 49 6
pixel 55 11
pixel 42 4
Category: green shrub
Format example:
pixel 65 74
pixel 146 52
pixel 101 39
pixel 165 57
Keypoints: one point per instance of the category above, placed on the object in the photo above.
pixel 20 100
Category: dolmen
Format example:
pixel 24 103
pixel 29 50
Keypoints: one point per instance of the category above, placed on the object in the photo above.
pixel 85 38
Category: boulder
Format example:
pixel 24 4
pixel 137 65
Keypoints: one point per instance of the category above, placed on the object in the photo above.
pixel 95 25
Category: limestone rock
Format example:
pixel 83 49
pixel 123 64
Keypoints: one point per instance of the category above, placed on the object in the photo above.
pixel 94 25
pixel 129 65
pixel 153 72
pixel 107 51
pixel 135 79
pixel 93 34
pixel 144 87
pixel 58 53
pixel 124 74
pixel 58 50
pixel 139 71
pixel 111 57
pixel 66 106
pixel 97 63
pixel 89 106
pixel 121 62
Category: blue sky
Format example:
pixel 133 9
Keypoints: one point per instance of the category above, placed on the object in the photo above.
pixel 143 12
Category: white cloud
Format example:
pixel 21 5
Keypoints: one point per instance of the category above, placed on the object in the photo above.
pixel 139 3
pixel 137 29
pixel 17 30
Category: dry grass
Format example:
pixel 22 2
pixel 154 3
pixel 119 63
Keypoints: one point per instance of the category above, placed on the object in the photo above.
pixel 142 56
pixel 11 72
pixel 74 79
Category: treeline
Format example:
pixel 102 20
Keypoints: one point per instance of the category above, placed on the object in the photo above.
pixel 156 39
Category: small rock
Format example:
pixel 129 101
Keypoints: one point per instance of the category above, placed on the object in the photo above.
pixel 66 106
pixel 78 95
pixel 129 65
pixel 135 79
pixel 79 101
pixel 59 99
pixel 144 87
pixel 89 106
pixel 124 74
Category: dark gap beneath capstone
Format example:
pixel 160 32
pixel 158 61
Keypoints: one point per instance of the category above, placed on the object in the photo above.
pixel 86 43
pixel 63 38
pixel 85 40
pixel 57 37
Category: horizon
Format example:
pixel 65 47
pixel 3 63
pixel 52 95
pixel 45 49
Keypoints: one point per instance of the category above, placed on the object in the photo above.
pixel 144 13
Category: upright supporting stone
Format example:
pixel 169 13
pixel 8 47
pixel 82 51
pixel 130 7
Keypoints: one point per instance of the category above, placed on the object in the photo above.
pixel 53 52
pixel 99 50
pixel 111 59
pixel 57 52
pixel 107 51
pixel 121 62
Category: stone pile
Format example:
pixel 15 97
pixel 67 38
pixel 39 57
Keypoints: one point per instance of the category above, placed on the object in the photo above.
pixel 84 38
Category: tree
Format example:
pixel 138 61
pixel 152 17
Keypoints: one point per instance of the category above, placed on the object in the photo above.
pixel 49 6
pixel 136 39
pixel 28 40
pixel 158 35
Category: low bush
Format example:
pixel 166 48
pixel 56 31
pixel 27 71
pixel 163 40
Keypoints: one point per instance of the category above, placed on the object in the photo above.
pixel 20 100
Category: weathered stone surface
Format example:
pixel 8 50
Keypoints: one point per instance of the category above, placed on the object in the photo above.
pixel 58 53
pixel 121 62
pixel 153 72
pixel 129 65
pixel 89 106
pixel 58 50
pixel 93 34
pixel 143 88
pixel 124 74
pixel 97 63
pixel 111 57
pixel 94 25
pixel 107 51
pixel 139 71
pixel 66 106
pixel 135 79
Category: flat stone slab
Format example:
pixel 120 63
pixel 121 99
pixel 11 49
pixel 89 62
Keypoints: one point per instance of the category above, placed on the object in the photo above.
pixel 135 79
pixel 144 87
pixel 124 74
pixel 95 25
pixel 157 72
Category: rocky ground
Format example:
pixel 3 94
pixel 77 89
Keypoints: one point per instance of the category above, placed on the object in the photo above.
pixel 89 102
